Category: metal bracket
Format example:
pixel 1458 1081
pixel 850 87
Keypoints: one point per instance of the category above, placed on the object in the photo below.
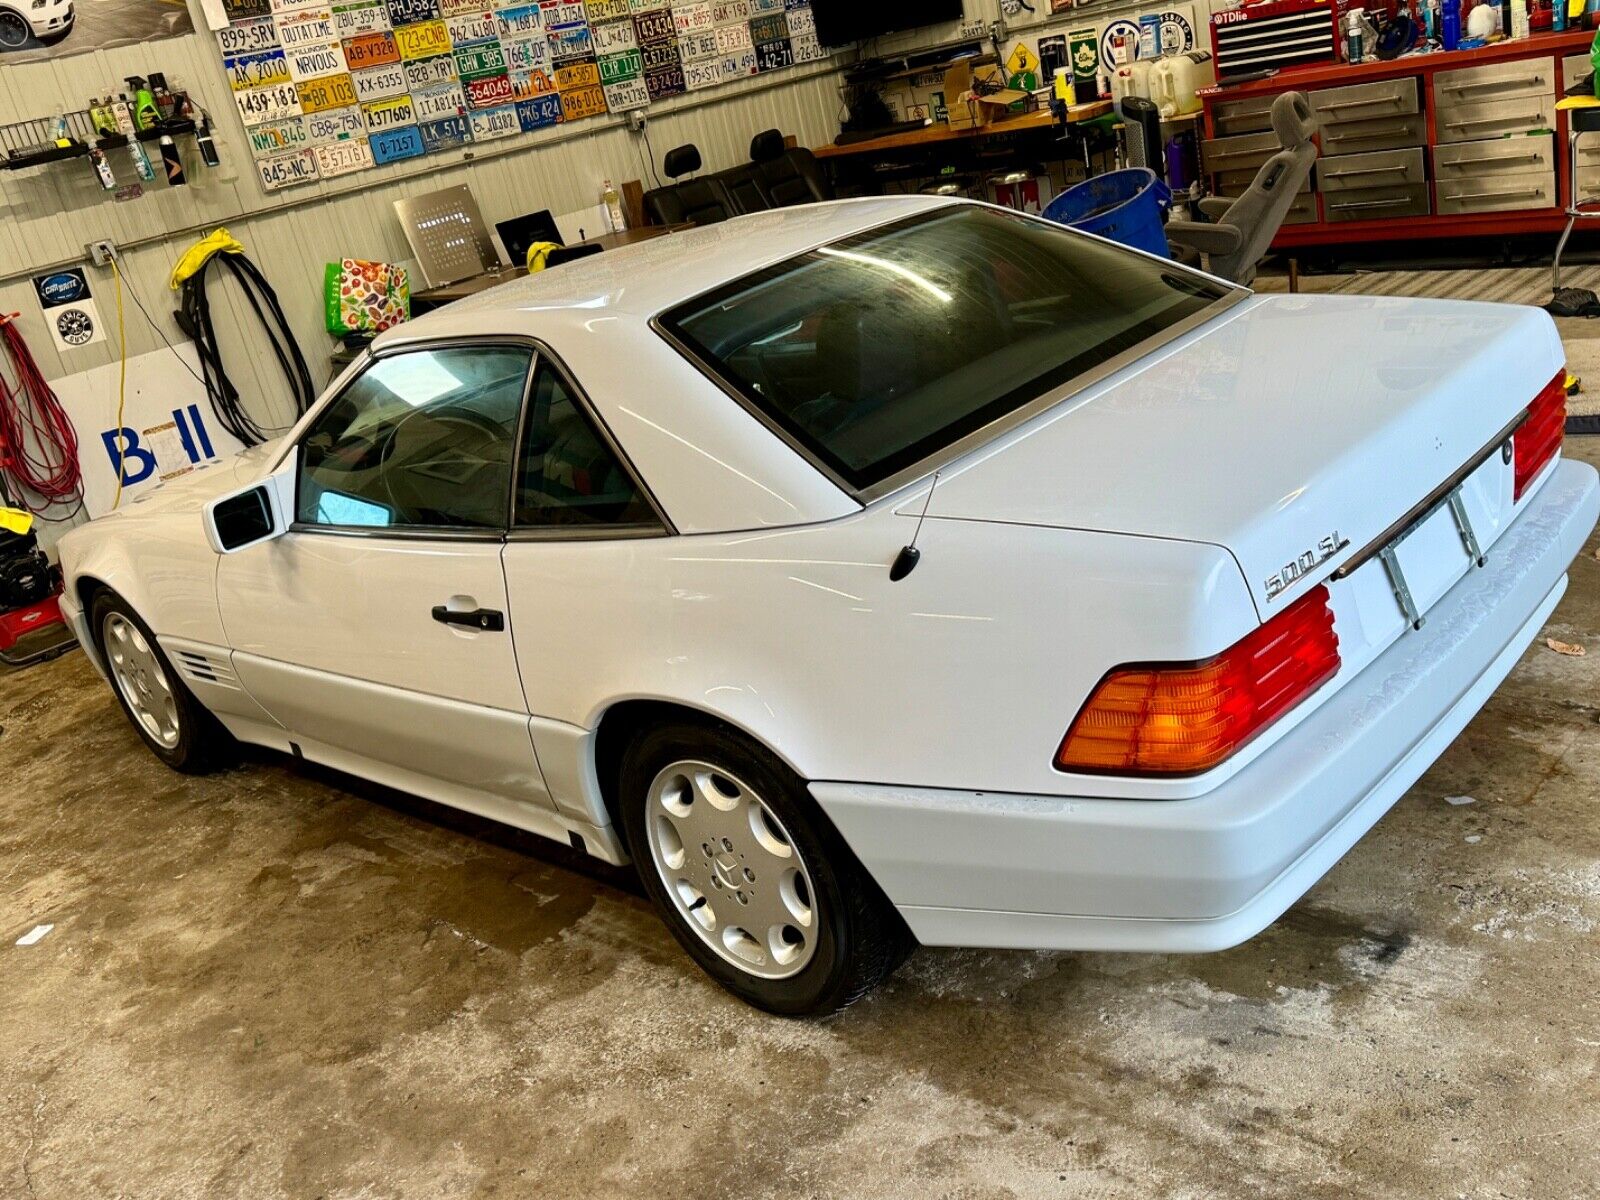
pixel 1397 581
pixel 1469 539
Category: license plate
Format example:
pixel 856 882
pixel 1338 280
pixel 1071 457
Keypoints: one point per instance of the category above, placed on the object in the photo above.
pixel 570 43
pixel 564 12
pixel 318 95
pixel 275 137
pixel 409 12
pixel 807 48
pixel 615 68
pixel 527 54
pixel 314 27
pixel 469 30
pixel 395 144
pixel 769 29
pixel 803 20
pixel 389 114
pixel 660 57
pixel 495 123
pixel 582 102
pixel 247 37
pixel 539 113
pixel 731 39
pixel 422 40
pixel 525 85
pixel 525 20
pixel 371 50
pixel 607 10
pixel 438 102
pixel 742 63
pixel 243 10
pixel 707 73
pixel 272 103
pixel 354 20
pixel 774 56
pixel 343 158
pixel 488 91
pixel 723 11
pixel 456 8
pixel 446 134
pixel 692 18
pixel 629 93
pixel 316 61
pixel 577 75
pixel 613 37
pixel 668 82
pixel 335 125
pixel 256 70
pixel 287 170
pixel 380 83
pixel 480 60
pixel 698 44
pixel 654 26
pixel 422 72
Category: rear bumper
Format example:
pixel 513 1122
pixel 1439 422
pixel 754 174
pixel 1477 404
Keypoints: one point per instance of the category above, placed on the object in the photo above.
pixel 1052 872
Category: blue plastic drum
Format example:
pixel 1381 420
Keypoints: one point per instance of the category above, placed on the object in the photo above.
pixel 1126 206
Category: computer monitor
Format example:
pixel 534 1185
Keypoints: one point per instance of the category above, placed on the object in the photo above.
pixel 521 232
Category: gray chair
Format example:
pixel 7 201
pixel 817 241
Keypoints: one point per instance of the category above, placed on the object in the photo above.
pixel 1236 238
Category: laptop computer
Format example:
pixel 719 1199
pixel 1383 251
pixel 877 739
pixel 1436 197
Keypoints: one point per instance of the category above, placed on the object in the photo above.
pixel 521 232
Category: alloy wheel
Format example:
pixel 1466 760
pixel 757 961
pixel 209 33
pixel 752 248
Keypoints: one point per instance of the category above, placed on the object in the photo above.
pixel 141 680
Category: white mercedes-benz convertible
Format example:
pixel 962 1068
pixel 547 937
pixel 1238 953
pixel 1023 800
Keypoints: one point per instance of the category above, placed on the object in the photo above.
pixel 873 573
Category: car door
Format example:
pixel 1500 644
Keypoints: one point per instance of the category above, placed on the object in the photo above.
pixel 376 630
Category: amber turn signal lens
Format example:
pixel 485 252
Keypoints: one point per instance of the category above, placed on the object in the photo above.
pixel 1181 719
pixel 1539 437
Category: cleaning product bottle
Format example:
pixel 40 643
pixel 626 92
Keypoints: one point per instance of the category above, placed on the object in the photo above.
pixel 102 168
pixel 613 203
pixel 1450 24
pixel 1430 21
pixel 1353 36
pixel 202 138
pixel 166 102
pixel 171 161
pixel 122 114
pixel 145 113
pixel 1558 16
pixel 1519 18
pixel 102 118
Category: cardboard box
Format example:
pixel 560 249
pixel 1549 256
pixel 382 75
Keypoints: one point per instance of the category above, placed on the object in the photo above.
pixel 967 110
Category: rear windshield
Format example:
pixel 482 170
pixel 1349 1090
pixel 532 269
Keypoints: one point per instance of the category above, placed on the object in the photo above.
pixel 880 350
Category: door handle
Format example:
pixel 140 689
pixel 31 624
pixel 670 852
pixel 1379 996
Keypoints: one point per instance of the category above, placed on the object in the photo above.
pixel 486 619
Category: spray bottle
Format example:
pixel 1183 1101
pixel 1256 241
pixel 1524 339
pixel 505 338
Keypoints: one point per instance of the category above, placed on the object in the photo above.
pixel 613 203
pixel 145 113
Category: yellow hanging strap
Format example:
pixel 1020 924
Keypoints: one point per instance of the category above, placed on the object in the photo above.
pixel 15 520
pixel 219 241
pixel 538 253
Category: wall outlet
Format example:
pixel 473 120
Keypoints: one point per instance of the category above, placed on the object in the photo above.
pixel 636 120
pixel 102 253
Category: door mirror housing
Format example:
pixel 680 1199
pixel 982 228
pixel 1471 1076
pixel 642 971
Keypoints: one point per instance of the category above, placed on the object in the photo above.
pixel 251 515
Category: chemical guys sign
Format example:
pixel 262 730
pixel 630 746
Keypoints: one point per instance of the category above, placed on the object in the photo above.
pixel 167 428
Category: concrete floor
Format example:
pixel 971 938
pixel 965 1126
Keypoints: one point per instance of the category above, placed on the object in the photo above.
pixel 281 983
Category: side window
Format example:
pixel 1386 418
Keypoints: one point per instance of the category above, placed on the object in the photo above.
pixel 569 477
pixel 418 440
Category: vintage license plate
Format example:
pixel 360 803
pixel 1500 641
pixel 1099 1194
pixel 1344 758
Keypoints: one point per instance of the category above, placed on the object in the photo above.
pixel 272 103
pixel 283 7
pixel 316 61
pixel 741 63
pixel 625 94
pixel 759 7
pixel 441 68
pixel 771 56
pixel 606 10
pixel 394 144
pixel 409 12
pixel 472 28
pixel 654 26
pixel 582 102
pixel 380 83
pixel 314 27
pixel 447 133
pixel 698 44
pixel 692 18
pixel 570 43
pixel 666 82
pixel 247 37
pixel 371 50
pixel 488 91
pixel 480 60
pixel 769 29
pixel 334 91
pixel 525 85
pixel 456 8
pixel 495 123
pixel 338 124
pixel 523 21
pixel 660 56
pixel 287 170
pixel 614 68
pixel 439 102
pixel 731 39
pixel 612 37
pixel 354 20
pixel 802 21
pixel 244 10
pixel 256 70
pixel 389 114
pixel 577 75
pixel 539 113
pixel 703 74
pixel 723 11
pixel 807 48
pixel 422 40
pixel 563 13
pixel 275 137
pixel 527 54
pixel 342 158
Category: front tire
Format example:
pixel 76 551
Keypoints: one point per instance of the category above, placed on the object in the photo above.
pixel 750 877
pixel 171 721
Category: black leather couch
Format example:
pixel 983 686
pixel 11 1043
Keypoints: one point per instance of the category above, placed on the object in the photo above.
pixel 775 177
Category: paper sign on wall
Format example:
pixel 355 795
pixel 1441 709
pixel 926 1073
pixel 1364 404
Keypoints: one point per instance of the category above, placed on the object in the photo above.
pixel 69 309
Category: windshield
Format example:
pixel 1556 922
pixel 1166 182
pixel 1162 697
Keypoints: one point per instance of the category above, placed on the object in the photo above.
pixel 879 350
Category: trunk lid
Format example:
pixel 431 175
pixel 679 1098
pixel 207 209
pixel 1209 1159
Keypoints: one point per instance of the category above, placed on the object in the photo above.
pixel 1292 431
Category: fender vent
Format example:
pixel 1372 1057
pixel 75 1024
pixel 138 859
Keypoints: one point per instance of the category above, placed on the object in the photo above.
pixel 213 669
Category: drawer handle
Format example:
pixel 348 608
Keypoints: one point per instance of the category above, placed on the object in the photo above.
pixel 1538 191
pixel 1494 85
pixel 1359 104
pixel 1334 135
pixel 1364 171
pixel 1494 158
pixel 1494 120
pixel 1372 203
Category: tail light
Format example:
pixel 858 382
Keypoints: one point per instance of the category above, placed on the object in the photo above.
pixel 1183 718
pixel 1539 437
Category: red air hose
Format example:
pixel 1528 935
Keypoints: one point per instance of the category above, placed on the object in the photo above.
pixel 38 445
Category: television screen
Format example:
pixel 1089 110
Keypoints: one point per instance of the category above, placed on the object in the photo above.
pixel 840 22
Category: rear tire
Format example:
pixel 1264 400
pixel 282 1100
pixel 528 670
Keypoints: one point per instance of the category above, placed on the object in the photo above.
pixel 179 730
pixel 751 878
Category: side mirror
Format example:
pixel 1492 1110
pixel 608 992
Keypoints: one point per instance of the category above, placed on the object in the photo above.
pixel 258 513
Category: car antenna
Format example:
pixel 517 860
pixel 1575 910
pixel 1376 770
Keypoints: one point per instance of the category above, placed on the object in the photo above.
pixel 906 561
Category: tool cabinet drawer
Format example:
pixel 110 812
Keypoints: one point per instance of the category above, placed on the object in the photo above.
pixel 1524 79
pixel 1493 118
pixel 1366 101
pixel 1358 172
pixel 1503 156
pixel 1250 114
pixel 1377 203
pixel 1376 133
pixel 1234 183
pixel 1245 152
pixel 1497 193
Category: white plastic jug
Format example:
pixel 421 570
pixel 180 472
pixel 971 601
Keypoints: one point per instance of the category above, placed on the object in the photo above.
pixel 1132 79
pixel 1174 82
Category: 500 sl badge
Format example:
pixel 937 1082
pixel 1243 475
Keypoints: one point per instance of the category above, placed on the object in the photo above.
pixel 1282 580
